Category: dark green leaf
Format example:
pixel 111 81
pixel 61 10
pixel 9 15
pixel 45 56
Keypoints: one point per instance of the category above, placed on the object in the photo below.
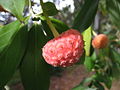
pixel 50 9
pixel 46 28
pixel 99 86
pixel 86 15
pixel 16 7
pixel 34 71
pixel 7 32
pixel 12 55
pixel 59 25
pixel 104 78
pixel 87 36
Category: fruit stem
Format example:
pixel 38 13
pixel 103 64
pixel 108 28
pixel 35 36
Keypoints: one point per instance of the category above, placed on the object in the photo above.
pixel 51 26
pixel 94 33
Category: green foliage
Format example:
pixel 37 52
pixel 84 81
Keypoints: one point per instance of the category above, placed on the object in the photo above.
pixel 113 8
pixel 12 55
pixel 16 7
pixel 50 9
pixel 115 63
pixel 80 87
pixel 86 15
pixel 7 32
pixel 21 48
pixel 89 63
pixel 34 70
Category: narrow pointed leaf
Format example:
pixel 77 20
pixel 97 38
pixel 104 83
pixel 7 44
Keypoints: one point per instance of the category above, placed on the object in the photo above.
pixel 34 70
pixel 15 7
pixel 12 55
pixel 86 15
pixel 87 36
pixel 7 32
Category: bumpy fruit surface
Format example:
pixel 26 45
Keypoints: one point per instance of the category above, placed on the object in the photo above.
pixel 65 49
pixel 100 41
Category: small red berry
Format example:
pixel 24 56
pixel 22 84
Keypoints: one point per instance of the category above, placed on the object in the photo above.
pixel 100 41
pixel 64 50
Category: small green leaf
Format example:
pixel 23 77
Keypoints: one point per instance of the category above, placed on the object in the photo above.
pixel 7 32
pixel 86 15
pixel 87 36
pixel 16 7
pixel 50 9
pixel 11 57
pixel 34 71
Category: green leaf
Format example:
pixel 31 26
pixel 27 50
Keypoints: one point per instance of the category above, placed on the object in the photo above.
pixel 113 8
pixel 46 28
pixel 50 9
pixel 104 78
pixel 81 87
pixel 7 32
pixel 34 71
pixel 89 64
pixel 12 55
pixel 88 80
pixel 87 36
pixel 86 15
pixel 15 7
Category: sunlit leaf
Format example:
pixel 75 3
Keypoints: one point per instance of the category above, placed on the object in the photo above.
pixel 7 32
pixel 11 57
pixel 87 36
pixel 16 7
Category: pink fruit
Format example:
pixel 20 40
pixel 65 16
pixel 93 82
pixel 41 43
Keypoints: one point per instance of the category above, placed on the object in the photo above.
pixel 64 50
